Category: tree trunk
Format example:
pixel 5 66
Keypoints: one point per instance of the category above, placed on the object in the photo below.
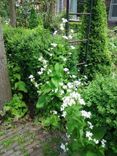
pixel 5 90
pixel 12 12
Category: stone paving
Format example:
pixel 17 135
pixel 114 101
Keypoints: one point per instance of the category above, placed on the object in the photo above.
pixel 25 140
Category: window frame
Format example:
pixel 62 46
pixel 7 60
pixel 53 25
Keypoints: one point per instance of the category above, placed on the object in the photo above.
pixel 112 18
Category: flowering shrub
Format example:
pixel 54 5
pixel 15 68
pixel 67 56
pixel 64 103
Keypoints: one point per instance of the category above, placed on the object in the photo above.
pixel 61 103
pixel 24 47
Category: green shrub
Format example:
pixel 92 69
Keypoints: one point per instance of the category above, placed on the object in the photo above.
pixel 97 56
pixel 101 99
pixel 24 47
pixel 15 109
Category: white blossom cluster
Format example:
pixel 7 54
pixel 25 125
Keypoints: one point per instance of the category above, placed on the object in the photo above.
pixel 72 97
pixel 62 25
pixel 89 136
pixel 64 147
pixel 44 64
pixel 32 79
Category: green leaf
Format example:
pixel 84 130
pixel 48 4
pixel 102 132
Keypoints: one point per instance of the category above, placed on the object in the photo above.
pixel 17 76
pixel 21 86
pixel 90 153
pixel 58 68
pixel 99 132
pixel 41 102
pixel 55 82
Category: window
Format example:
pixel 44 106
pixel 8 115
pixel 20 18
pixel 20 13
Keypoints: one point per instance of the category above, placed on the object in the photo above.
pixel 73 6
pixel 60 6
pixel 113 11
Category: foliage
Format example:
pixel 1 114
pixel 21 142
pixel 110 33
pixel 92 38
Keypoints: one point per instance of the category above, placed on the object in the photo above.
pixel 113 46
pixel 97 57
pixel 52 73
pixel 61 104
pixel 15 109
pixel 23 49
pixel 31 14
pixel 4 9
pixel 27 15
pixel 101 100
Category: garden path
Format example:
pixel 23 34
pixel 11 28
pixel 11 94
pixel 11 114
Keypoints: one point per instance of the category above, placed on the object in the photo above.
pixel 27 139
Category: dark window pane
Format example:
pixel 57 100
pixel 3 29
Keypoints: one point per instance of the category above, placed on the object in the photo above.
pixel 114 11
pixel 114 1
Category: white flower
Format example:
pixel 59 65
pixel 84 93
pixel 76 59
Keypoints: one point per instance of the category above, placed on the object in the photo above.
pixel 54 45
pixel 65 37
pixel 96 141
pixel 56 90
pixel 74 76
pixel 77 83
pixel 55 32
pixel 70 85
pixel 54 112
pixel 103 143
pixel 75 95
pixel 40 72
pixel 63 147
pixel 62 92
pixel 81 101
pixel 64 114
pixel 40 58
pixel 64 59
pixel 31 77
pixel 64 87
pixel 70 37
pixel 61 84
pixel 72 31
pixel 51 54
pixel 64 20
pixel 89 135
pixel 61 27
pixel 45 62
pixel 72 47
pixel 45 66
pixel 85 76
pixel 86 114
pixel 66 69
pixel 90 125
pixel 36 85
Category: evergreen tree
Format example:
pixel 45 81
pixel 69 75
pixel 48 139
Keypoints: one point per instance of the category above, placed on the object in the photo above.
pixel 96 56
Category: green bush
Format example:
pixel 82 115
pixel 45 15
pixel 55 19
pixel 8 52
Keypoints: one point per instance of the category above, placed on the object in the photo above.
pixel 97 56
pixel 101 99
pixel 24 47
pixel 15 109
